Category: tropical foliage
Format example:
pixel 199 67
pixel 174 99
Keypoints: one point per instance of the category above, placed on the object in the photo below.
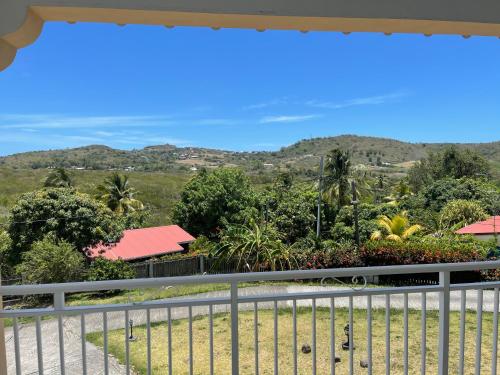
pixel 65 213
pixel 51 261
pixel 58 178
pixel 118 195
pixel 448 249
pixel 104 269
pixel 460 212
pixel 397 228
pixel 212 200
pixel 254 246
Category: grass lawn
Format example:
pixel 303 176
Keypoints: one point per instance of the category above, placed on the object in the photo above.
pixel 222 343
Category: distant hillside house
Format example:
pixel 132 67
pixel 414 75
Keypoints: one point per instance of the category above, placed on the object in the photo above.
pixel 140 244
pixel 484 230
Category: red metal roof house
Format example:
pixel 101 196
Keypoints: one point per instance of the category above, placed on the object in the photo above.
pixel 483 230
pixel 139 244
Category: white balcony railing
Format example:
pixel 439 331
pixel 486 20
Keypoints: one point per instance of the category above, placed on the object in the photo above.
pixel 442 297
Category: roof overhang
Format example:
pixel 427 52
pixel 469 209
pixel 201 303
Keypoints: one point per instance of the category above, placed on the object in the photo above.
pixel 21 21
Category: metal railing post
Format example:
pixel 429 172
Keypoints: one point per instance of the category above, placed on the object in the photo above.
pixel 3 351
pixel 444 322
pixel 235 349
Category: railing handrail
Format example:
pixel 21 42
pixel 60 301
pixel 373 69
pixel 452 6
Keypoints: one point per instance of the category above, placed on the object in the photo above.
pixel 18 290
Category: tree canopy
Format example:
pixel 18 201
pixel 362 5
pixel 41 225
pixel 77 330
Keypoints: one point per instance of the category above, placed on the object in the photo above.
pixel 449 163
pixel 67 214
pixel 213 199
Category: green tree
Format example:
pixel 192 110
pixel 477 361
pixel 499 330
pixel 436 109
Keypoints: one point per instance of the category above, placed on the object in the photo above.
pixel 339 175
pixel 397 228
pixel 343 230
pixel 336 181
pixel 5 245
pixel 437 194
pixel 212 200
pixel 58 178
pixel 293 211
pixel 69 215
pixel 451 162
pixel 255 246
pixel 51 261
pixel 459 213
pixel 118 195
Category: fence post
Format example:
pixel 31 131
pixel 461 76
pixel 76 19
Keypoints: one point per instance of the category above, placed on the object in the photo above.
pixel 235 349
pixel 3 351
pixel 151 268
pixel 202 264
pixel 444 322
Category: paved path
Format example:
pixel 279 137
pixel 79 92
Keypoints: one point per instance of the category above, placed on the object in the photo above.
pixel 95 357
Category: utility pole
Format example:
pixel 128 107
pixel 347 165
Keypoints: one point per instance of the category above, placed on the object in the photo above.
pixel 320 193
pixel 355 208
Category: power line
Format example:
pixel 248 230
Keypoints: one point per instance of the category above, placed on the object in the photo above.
pixel 43 220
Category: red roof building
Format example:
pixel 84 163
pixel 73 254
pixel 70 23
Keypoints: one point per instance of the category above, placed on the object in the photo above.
pixel 490 226
pixel 144 243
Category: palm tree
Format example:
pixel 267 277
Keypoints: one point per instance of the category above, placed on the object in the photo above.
pixel 58 178
pixel 118 195
pixel 254 246
pixel 396 229
pixel 339 175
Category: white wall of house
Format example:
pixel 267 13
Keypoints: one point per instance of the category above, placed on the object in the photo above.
pixel 487 237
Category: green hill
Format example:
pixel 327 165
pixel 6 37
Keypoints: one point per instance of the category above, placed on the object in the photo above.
pixel 374 152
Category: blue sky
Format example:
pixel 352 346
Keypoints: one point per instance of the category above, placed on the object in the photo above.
pixel 134 86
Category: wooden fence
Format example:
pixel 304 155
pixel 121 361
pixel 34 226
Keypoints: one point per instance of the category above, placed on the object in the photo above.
pixel 184 267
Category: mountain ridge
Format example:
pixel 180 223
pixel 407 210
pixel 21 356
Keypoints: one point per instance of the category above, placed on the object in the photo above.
pixel 302 155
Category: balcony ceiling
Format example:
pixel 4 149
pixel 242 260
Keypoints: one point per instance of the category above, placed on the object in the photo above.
pixel 21 21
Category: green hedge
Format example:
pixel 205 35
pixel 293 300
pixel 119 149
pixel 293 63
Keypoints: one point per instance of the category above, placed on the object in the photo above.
pixel 424 250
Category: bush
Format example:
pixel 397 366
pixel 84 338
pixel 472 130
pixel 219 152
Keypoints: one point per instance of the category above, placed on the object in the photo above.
pixel 367 214
pixel 5 244
pixel 102 269
pixel 51 261
pixel 459 213
pixel 330 255
pixel 424 250
pixel 201 246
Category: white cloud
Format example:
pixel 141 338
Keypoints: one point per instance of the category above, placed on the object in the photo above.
pixel 57 121
pixel 370 100
pixel 286 119
pixel 216 121
pixel 270 103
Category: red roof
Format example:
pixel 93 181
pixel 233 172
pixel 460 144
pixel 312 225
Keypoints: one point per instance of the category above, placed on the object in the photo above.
pixel 489 226
pixel 143 243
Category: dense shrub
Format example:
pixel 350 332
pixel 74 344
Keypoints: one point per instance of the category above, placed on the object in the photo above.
pixel 367 214
pixel 424 250
pixel 51 261
pixel 103 269
pixel 201 246
pixel 330 255
pixel 5 244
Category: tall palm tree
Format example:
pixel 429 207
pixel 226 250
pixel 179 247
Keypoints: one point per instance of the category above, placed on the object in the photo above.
pixel 58 178
pixel 339 175
pixel 116 193
pixel 397 228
